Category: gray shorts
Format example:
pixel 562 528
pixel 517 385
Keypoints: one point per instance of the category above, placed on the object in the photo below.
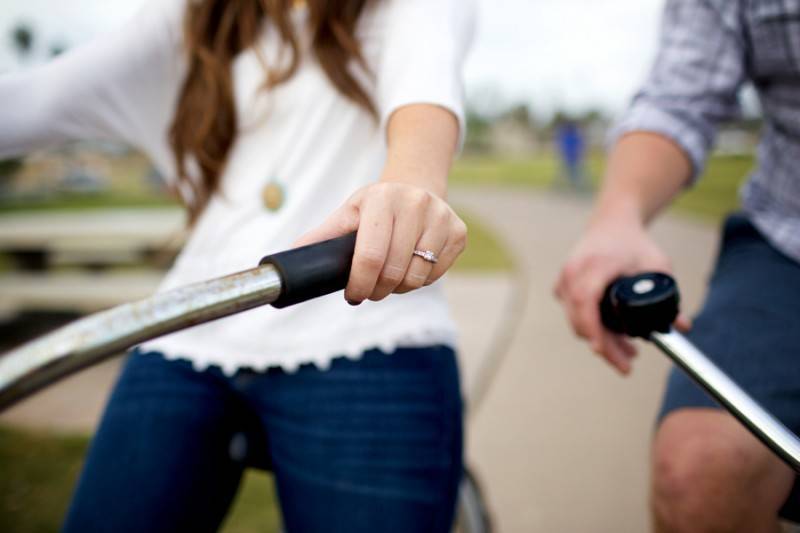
pixel 750 326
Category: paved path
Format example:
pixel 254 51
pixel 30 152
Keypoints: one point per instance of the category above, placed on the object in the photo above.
pixel 560 442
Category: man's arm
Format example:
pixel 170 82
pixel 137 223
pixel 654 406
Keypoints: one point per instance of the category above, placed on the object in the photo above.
pixel 645 172
pixel 661 147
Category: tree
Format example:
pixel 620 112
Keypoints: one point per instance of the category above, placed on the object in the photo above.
pixel 23 37
pixel 8 168
pixel 56 49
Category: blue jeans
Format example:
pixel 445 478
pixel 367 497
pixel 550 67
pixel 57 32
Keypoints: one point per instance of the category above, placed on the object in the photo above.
pixel 366 446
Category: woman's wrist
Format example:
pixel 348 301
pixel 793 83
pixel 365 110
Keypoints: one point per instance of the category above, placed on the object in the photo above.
pixel 436 185
pixel 422 141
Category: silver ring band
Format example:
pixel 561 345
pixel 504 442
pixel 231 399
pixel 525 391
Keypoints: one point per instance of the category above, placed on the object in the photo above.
pixel 427 255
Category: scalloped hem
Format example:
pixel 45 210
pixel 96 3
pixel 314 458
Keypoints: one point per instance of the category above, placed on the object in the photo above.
pixel 290 362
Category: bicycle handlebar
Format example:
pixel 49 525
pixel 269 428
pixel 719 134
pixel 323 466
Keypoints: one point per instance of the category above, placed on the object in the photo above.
pixel 312 271
pixel 639 305
pixel 646 306
pixel 282 280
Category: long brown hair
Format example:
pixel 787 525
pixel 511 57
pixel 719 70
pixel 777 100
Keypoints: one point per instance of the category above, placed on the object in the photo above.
pixel 216 31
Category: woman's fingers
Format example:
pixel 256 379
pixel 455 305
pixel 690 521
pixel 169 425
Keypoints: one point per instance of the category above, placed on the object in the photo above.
pixel 372 248
pixel 456 242
pixel 341 222
pixel 392 221
pixel 433 239
pixel 405 234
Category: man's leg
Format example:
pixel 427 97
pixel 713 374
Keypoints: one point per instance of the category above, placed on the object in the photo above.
pixel 710 474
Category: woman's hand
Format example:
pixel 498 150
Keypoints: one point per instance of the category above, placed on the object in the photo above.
pixel 405 211
pixel 394 219
pixel 607 251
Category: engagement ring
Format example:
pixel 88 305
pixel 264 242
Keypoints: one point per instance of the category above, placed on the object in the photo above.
pixel 427 255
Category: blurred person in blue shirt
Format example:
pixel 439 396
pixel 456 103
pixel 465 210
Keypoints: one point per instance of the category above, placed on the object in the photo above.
pixel 572 150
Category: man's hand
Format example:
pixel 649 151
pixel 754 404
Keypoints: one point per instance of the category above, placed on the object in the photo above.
pixel 608 250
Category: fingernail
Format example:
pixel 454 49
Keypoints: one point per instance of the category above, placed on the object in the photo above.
pixel 353 303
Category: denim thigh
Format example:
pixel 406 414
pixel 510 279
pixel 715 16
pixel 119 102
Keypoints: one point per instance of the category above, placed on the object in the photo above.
pixel 367 445
pixel 160 460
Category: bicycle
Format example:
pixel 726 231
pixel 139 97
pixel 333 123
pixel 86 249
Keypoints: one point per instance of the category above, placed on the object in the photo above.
pixel 281 280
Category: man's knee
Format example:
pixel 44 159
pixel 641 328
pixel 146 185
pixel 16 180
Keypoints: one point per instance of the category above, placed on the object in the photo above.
pixel 688 456
pixel 705 466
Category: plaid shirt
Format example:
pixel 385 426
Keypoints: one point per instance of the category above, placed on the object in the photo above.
pixel 709 49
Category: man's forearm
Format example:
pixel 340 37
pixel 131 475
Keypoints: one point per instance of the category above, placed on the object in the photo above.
pixel 645 172
pixel 422 142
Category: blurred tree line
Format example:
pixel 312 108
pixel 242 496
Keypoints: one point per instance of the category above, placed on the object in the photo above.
pixel 517 130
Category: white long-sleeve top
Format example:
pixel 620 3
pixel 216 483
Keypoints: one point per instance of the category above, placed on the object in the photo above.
pixel 304 135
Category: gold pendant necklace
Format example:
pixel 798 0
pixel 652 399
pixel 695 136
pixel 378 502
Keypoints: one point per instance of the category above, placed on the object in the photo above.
pixel 273 195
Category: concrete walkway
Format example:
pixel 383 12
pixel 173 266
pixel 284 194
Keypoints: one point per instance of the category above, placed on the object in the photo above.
pixel 560 442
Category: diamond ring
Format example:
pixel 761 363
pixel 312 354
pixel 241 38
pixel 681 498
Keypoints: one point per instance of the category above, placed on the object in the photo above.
pixel 427 255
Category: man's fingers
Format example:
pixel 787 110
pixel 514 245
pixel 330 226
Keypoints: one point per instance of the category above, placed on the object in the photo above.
pixel 683 323
pixel 619 352
pixel 585 295
pixel 581 296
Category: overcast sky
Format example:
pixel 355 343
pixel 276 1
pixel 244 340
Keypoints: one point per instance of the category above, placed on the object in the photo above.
pixel 550 54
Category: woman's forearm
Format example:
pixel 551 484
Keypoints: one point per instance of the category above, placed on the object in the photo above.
pixel 422 141
pixel 645 172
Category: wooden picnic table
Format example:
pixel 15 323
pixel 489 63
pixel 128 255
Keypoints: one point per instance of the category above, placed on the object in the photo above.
pixel 73 260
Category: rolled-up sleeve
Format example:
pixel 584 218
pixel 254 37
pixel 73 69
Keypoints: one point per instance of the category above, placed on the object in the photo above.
pixel 424 49
pixel 695 82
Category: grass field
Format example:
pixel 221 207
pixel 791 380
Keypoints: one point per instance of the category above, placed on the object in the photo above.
pixel 38 472
pixel 714 195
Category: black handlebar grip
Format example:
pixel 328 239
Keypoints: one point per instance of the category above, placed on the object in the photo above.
pixel 313 271
pixel 640 305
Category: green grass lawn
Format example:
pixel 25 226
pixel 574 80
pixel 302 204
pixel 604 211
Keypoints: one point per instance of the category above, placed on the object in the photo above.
pixel 38 472
pixel 79 202
pixel 712 197
pixel 538 171
pixel 716 193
